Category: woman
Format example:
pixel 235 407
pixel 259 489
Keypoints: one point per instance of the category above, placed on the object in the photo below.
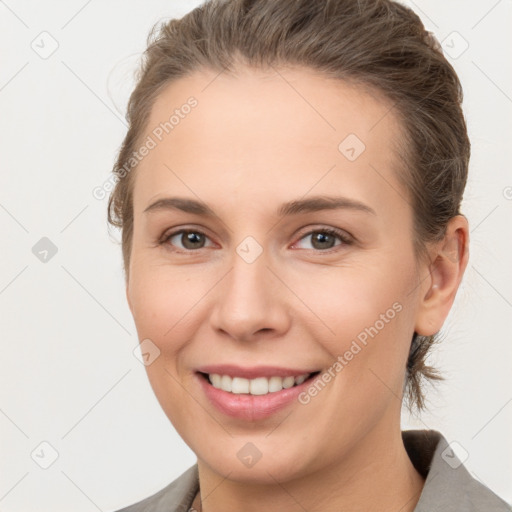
pixel 289 193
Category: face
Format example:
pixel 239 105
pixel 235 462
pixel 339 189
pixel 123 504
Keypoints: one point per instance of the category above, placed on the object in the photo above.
pixel 298 259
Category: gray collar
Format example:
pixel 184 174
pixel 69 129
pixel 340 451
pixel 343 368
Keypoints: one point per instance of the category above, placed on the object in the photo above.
pixel 448 487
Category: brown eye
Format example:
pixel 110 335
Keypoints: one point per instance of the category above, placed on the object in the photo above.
pixel 322 240
pixel 325 239
pixel 190 240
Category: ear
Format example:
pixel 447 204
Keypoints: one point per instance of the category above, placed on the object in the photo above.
pixel 449 259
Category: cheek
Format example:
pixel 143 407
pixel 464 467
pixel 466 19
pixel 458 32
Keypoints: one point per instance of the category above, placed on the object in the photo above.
pixel 163 302
pixel 160 296
pixel 343 302
pixel 363 317
pixel 162 306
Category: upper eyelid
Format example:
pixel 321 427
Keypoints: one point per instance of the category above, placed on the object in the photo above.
pixel 345 237
pixel 342 234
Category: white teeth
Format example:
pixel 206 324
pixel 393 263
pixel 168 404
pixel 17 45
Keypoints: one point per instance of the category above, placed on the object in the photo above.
pixel 225 382
pixel 300 379
pixel 239 385
pixel 258 386
pixel 288 382
pixel 275 384
pixel 215 379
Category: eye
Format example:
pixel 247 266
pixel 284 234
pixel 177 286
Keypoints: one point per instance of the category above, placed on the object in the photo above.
pixel 324 239
pixel 191 239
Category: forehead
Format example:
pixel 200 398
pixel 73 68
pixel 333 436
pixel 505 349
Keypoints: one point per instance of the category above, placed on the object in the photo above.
pixel 280 132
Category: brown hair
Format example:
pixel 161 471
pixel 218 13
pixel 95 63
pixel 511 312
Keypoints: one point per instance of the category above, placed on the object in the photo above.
pixel 379 44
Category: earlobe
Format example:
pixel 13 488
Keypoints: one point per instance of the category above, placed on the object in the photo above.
pixel 450 258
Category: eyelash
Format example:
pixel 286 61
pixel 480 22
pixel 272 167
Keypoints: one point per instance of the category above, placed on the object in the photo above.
pixel 342 236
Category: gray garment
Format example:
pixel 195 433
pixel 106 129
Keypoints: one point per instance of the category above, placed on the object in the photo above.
pixel 448 487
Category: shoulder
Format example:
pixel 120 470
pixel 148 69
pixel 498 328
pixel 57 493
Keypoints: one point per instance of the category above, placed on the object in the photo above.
pixel 448 486
pixel 175 497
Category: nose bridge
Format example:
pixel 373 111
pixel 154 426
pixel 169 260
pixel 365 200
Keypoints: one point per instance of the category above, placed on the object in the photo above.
pixel 248 299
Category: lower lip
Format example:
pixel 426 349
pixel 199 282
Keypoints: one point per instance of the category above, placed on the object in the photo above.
pixel 252 407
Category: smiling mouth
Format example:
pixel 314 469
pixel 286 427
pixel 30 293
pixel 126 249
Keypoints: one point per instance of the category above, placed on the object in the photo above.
pixel 258 386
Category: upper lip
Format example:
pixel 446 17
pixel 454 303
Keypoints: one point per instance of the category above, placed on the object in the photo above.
pixel 253 372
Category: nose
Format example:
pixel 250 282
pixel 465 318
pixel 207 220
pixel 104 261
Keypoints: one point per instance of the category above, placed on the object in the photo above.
pixel 250 301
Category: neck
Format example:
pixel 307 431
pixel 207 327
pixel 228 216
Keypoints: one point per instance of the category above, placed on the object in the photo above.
pixel 377 475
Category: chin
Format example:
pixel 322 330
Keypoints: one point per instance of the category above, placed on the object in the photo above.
pixel 255 461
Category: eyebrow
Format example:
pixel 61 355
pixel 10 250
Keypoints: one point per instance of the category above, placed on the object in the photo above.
pixel 312 204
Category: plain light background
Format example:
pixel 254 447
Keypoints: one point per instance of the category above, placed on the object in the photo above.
pixel 68 374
